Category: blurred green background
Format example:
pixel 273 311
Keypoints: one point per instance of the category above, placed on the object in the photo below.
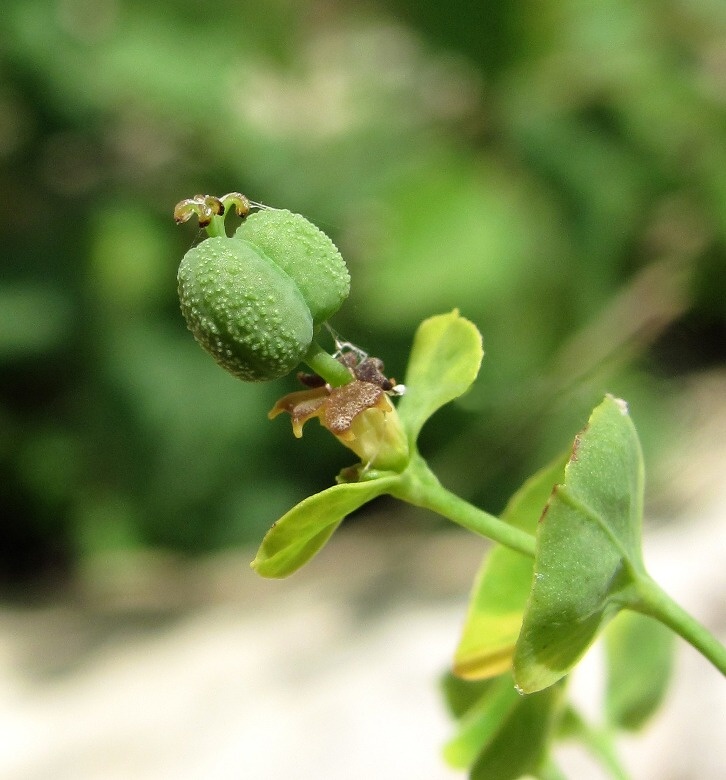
pixel 556 169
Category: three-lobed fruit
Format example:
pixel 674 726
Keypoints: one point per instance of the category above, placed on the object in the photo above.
pixel 254 301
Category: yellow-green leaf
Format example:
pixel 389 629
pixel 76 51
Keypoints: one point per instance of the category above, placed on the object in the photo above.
pixel 298 535
pixel 445 358
pixel 501 588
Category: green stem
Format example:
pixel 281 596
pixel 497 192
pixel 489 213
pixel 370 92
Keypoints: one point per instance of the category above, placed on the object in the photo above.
pixel 420 487
pixel 216 227
pixel 326 366
pixel 654 601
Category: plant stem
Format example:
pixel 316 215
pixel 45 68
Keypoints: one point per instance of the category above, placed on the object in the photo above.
pixel 216 227
pixel 419 486
pixel 326 366
pixel 654 601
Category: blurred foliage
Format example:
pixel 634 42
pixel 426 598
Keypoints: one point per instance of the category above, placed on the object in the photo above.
pixel 556 169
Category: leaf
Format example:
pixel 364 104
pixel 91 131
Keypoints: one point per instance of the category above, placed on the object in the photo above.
pixel 299 534
pixel 501 588
pixel 481 722
pixel 461 695
pixel 445 358
pixel 520 745
pixel 639 664
pixel 588 549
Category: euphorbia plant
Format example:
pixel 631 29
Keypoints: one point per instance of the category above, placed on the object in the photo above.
pixel 566 564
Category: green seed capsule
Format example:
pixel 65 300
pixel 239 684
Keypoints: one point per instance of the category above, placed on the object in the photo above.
pixel 243 309
pixel 254 301
pixel 305 254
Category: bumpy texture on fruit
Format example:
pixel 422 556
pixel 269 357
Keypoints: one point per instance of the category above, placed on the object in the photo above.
pixel 244 309
pixel 305 254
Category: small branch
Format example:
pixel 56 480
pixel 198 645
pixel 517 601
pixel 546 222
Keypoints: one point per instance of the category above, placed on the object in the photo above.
pixel 419 486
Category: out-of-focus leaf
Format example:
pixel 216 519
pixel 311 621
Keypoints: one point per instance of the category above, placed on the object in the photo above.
pixel 298 535
pixel 128 269
pixel 461 695
pixel 33 319
pixel 502 586
pixel 481 722
pixel 445 358
pixel 588 548
pixel 639 663
pixel 519 747
pixel 471 255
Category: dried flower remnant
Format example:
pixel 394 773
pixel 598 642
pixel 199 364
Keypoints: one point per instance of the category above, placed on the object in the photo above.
pixel 360 415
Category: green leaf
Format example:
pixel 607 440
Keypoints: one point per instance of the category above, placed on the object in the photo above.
pixel 461 695
pixel 445 359
pixel 299 534
pixel 501 588
pixel 482 721
pixel 639 664
pixel 520 746
pixel 588 549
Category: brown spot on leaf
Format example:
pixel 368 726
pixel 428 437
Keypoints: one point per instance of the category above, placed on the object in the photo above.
pixel 555 488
